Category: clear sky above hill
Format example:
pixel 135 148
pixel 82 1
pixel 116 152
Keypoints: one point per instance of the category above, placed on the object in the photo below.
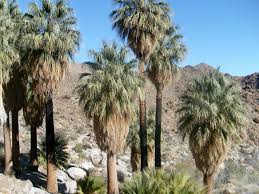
pixel 221 33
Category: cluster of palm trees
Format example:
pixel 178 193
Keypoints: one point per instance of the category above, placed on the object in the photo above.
pixel 209 112
pixel 109 93
pixel 36 49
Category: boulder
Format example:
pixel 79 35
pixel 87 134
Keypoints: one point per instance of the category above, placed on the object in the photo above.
pixel 76 173
pixel 35 190
pixel 256 120
pixel 71 186
pixel 88 166
pixel 10 185
pixel 62 176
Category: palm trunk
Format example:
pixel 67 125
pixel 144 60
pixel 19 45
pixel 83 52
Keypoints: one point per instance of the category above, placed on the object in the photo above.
pixel 134 159
pixel 15 142
pixel 113 187
pixel 7 147
pixel 142 121
pixel 150 157
pixel 158 128
pixel 34 154
pixel 52 186
pixel 208 182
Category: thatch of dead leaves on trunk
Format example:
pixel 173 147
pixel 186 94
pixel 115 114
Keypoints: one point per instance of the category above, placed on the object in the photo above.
pixel 33 110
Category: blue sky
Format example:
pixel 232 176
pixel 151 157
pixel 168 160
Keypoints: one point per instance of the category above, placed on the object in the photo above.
pixel 221 33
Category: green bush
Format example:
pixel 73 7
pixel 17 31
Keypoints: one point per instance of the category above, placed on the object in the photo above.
pixel 236 174
pixel 160 182
pixel 78 148
pixel 90 185
pixel 60 150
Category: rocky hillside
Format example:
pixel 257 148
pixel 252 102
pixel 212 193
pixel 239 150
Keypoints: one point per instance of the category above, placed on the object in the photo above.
pixel 239 174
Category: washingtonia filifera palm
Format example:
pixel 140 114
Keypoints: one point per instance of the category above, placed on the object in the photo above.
pixel 33 113
pixel 212 112
pixel 8 56
pixel 142 23
pixel 162 70
pixel 49 38
pixel 107 96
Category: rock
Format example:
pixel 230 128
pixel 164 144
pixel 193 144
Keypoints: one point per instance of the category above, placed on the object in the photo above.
pixel 76 173
pixel 122 170
pixel 35 190
pixel 256 120
pixel 229 189
pixel 10 185
pixel 62 176
pixel 88 166
pixel 71 186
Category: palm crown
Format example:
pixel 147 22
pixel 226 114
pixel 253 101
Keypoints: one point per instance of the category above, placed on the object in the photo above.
pixel 211 107
pixel 162 64
pixel 50 39
pixel 142 23
pixel 107 96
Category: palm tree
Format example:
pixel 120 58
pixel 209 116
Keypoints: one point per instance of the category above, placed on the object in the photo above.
pixel 142 23
pixel 212 112
pixel 162 70
pixel 33 113
pixel 50 39
pixel 8 55
pixel 107 97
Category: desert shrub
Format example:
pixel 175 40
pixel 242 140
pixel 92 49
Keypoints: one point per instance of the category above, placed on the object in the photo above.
pixel 78 148
pixel 237 174
pixel 188 167
pixel 160 182
pixel 90 185
pixel 60 152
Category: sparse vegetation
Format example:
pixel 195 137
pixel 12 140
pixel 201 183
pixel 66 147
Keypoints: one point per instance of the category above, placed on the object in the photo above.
pixel 78 148
pixel 91 185
pixel 160 182
pixel 60 152
pixel 36 48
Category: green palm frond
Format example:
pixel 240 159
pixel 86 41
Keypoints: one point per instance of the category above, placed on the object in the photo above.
pixel 108 94
pixel 211 113
pixel 90 185
pixel 49 39
pixel 142 23
pixel 212 106
pixel 60 151
pixel 161 182
pixel 163 62
pixel 8 37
